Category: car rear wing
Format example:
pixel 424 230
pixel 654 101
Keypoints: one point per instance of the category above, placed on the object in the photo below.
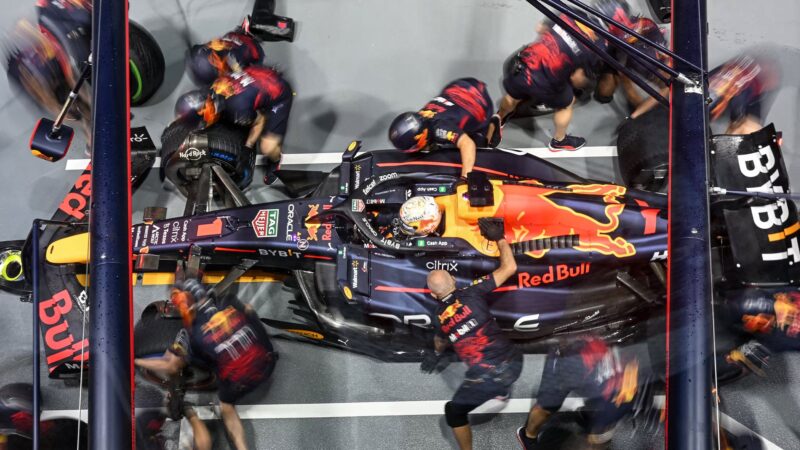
pixel 763 232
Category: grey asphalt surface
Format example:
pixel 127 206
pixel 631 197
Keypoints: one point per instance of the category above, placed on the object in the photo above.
pixel 355 65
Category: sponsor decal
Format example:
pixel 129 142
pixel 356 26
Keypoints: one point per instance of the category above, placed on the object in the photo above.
pixel 61 344
pixel 192 154
pixel 358 205
pixel 419 320
pixel 388 176
pixel 527 323
pixel 307 333
pixel 347 293
pixel 357 177
pixel 155 231
pixel 354 280
pixel 591 316
pixel 369 187
pixel 463 330
pixel 771 215
pixel 576 50
pixel 659 256
pixel 280 253
pixel 313 227
pixel 302 245
pixel 366 223
pixel 450 266
pixel 290 222
pixel 555 273
pixel 265 223
pixel 75 202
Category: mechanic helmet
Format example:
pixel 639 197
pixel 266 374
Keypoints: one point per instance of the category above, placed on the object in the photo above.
pixel 11 265
pixel 199 107
pixel 407 132
pixel 184 296
pixel 618 10
pixel 651 31
pixel 420 216
pixel 205 65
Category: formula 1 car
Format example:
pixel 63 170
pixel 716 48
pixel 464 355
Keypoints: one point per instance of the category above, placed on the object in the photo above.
pixel 590 255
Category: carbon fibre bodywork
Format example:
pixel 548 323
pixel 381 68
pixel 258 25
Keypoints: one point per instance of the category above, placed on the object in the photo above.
pixel 590 255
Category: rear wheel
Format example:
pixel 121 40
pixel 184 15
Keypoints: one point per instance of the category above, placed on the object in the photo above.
pixel 153 335
pixel 146 64
pixel 221 144
pixel 643 151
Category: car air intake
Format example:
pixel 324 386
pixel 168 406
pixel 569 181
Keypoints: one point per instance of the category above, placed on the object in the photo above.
pixel 566 241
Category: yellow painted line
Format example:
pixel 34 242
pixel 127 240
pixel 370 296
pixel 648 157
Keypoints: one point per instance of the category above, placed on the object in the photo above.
pixel 168 278
pixel 781 235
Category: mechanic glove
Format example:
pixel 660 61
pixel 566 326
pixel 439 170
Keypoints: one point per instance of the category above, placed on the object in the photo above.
pixel 492 228
pixel 435 362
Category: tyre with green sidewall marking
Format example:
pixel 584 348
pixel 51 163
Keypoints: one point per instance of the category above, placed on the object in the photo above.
pixel 147 64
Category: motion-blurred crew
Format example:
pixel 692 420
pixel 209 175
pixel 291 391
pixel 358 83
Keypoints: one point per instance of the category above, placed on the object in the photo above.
pixel 256 97
pixel 232 52
pixel 466 323
pixel 227 336
pixel 459 116
pixel 609 381
pixel 546 72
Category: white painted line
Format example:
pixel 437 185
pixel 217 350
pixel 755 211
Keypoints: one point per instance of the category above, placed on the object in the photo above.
pixel 402 408
pixel 332 158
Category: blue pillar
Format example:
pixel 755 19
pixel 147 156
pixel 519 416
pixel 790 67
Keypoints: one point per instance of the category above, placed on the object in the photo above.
pixel 110 388
pixel 689 292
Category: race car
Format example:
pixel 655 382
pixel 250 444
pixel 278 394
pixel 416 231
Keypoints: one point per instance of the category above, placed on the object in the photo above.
pixel 590 254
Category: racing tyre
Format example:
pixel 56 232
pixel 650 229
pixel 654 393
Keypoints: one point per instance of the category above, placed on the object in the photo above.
pixel 146 64
pixel 643 150
pixel 221 144
pixel 153 335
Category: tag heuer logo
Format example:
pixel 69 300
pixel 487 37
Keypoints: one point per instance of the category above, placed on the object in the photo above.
pixel 265 224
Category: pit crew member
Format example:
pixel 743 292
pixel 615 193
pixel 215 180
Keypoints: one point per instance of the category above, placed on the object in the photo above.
pixel 589 367
pixel 257 97
pixel 465 322
pixel 232 52
pixel 226 336
pixel 545 72
pixel 459 116
pixel 741 89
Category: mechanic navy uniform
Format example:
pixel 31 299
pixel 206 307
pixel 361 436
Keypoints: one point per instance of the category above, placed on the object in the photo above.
pixel 494 364
pixel 254 89
pixel 233 342
pixel 590 368
pixel 463 107
pixel 541 71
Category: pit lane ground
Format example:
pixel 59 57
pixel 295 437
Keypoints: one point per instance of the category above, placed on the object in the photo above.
pixel 353 73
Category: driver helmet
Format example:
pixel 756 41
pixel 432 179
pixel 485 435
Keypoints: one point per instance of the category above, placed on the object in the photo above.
pixel 11 265
pixel 199 107
pixel 408 133
pixel 420 216
pixel 205 65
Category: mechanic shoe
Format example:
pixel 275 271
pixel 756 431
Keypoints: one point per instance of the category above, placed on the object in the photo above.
pixel 497 134
pixel 269 172
pixel 569 143
pixel 526 442
pixel 751 356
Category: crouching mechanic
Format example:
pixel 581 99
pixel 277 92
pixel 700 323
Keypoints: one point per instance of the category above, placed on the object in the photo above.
pixel 256 97
pixel 545 72
pixel 226 336
pixel 608 380
pixel 466 323
pixel 232 52
pixel 459 116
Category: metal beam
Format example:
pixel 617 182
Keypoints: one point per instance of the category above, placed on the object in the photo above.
pixel 111 381
pixel 689 291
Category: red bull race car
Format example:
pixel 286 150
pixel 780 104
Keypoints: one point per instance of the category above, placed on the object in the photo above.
pixel 591 255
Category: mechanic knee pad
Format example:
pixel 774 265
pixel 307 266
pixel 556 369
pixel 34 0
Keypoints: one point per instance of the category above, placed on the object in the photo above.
pixel 456 416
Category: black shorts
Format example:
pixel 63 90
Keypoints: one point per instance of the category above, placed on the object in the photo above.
pixel 230 392
pixel 479 388
pixel 278 116
pixel 518 87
